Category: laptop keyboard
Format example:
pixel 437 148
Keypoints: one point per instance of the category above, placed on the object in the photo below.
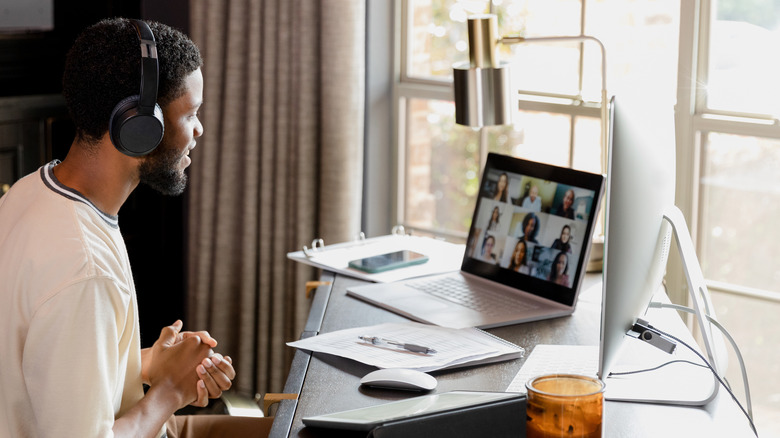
pixel 457 290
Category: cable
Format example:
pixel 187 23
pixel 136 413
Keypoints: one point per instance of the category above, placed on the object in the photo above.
pixel 731 341
pixel 646 370
pixel 714 373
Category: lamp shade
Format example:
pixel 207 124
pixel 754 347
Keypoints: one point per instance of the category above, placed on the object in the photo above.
pixel 482 95
pixel 482 87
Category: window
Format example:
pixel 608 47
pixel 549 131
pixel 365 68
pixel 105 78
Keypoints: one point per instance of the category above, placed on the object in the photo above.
pixel 735 126
pixel 730 167
pixel 717 58
pixel 557 119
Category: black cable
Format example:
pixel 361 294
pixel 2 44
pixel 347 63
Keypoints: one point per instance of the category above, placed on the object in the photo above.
pixel 656 368
pixel 715 373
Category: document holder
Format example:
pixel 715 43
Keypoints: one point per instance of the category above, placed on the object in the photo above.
pixel 504 418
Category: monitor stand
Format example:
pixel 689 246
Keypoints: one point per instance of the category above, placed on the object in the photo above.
pixel 679 383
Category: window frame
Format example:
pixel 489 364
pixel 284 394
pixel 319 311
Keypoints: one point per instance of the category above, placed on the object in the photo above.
pixel 695 120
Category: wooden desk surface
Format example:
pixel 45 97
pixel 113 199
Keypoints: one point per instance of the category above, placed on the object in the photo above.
pixel 327 383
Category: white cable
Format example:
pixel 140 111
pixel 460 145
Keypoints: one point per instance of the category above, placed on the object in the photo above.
pixel 725 332
pixel 714 373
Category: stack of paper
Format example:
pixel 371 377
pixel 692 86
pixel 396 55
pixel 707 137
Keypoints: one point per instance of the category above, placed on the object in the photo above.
pixel 454 347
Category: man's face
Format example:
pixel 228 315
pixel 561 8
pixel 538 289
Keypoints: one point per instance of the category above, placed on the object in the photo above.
pixel 163 169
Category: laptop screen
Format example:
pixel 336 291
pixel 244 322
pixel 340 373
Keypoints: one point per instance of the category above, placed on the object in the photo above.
pixel 532 226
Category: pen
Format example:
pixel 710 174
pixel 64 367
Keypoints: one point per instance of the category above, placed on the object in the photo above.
pixel 409 347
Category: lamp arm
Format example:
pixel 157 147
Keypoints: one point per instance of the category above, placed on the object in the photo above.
pixel 514 39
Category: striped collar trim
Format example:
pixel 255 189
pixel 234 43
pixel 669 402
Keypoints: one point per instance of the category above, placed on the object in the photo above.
pixel 47 175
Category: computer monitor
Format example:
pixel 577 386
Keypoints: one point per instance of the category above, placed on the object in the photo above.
pixel 640 218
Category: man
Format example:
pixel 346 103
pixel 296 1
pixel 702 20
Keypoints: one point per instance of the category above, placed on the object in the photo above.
pixel 532 201
pixel 69 331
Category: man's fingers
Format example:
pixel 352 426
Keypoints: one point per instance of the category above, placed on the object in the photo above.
pixel 222 379
pixel 206 337
pixel 203 335
pixel 203 395
pixel 170 334
pixel 215 380
pixel 225 364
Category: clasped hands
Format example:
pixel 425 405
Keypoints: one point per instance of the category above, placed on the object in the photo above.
pixel 187 365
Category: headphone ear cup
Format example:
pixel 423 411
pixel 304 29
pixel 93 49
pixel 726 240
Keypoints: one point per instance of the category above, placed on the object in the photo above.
pixel 132 133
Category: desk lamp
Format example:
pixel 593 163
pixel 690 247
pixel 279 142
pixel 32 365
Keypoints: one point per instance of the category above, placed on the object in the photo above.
pixel 482 85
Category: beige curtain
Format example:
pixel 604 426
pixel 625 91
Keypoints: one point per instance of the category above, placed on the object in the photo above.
pixel 280 163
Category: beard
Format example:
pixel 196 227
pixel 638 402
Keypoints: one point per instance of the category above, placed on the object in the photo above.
pixel 160 171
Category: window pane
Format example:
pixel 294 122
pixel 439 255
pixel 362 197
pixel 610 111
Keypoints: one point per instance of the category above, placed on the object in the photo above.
pixel 438 37
pixel 536 136
pixel 551 68
pixel 442 168
pixel 743 63
pixel 641 39
pixel 547 68
pixel 587 144
pixel 740 204
pixel 747 320
pixel 538 17
pixel 545 137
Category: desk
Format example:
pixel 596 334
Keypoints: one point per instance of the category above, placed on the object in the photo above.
pixel 328 383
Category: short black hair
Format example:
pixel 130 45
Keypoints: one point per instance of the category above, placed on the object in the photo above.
pixel 103 67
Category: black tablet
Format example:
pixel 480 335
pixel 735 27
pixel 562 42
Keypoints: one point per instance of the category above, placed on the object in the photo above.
pixel 365 419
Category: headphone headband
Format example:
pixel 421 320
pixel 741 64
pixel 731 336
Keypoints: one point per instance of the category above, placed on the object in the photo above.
pixel 137 125
pixel 149 68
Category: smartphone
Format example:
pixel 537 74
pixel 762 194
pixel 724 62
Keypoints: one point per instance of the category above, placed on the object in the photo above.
pixel 386 262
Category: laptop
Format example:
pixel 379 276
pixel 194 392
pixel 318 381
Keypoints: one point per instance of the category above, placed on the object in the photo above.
pixel 525 256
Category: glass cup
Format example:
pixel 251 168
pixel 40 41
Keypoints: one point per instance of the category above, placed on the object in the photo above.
pixel 564 405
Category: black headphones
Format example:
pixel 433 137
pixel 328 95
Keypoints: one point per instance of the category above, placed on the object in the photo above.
pixel 136 126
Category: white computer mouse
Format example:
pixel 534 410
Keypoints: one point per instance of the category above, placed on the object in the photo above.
pixel 399 378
